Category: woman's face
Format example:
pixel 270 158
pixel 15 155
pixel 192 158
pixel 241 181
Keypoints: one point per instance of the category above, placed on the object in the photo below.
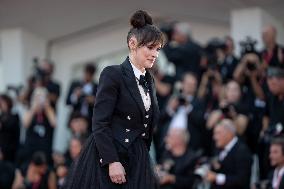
pixel 75 148
pixel 145 56
pixel 233 92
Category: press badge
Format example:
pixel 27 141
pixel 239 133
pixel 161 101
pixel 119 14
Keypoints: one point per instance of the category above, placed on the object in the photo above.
pixel 40 130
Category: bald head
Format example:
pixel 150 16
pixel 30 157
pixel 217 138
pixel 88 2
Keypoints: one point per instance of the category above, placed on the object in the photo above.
pixel 269 36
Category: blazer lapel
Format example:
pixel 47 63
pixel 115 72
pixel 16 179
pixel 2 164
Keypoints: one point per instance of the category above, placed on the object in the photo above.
pixel 154 101
pixel 131 85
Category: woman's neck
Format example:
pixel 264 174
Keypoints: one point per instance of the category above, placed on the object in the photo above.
pixel 132 61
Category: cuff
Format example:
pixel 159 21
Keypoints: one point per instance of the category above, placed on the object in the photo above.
pixel 220 179
pixel 73 98
pixel 170 111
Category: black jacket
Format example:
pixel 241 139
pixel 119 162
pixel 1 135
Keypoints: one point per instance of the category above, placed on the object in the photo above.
pixel 119 112
pixel 270 177
pixel 237 168
pixel 77 106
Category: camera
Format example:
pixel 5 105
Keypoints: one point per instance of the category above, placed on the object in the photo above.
pixel 265 184
pixel 251 66
pixel 181 100
pixel 211 52
pixel 248 46
pixel 226 110
pixel 202 170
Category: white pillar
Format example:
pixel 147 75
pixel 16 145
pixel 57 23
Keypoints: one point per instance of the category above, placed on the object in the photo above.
pixel 250 22
pixel 11 58
pixel 18 47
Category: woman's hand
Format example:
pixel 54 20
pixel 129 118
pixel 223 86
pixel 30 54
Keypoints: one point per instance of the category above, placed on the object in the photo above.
pixel 117 173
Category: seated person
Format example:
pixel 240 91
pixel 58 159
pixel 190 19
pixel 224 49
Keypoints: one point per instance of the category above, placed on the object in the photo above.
pixel 277 161
pixel 79 125
pixel 232 167
pixel 175 170
pixel 37 174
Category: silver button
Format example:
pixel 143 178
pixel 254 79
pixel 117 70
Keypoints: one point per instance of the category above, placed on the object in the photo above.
pixel 147 116
pixel 101 160
pixel 145 125
pixel 127 130
pixel 126 140
pixel 128 117
pixel 143 134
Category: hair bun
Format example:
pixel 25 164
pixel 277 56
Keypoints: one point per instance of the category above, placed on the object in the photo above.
pixel 140 18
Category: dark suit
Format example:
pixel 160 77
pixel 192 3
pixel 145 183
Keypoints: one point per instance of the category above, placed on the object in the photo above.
pixel 182 168
pixel 195 126
pixel 77 106
pixel 119 113
pixel 237 168
pixel 270 177
pixel 186 57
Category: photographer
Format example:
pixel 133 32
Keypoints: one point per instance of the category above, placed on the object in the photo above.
pixel 36 173
pixel 275 101
pixel 231 107
pixel 250 74
pixel 273 121
pixel 9 129
pixel 81 95
pixel 184 110
pixel 230 62
pixel 175 169
pixel 40 121
pixel 183 51
pixel 273 54
pixel 42 77
pixel 209 89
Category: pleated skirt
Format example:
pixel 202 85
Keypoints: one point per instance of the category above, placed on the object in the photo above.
pixel 86 172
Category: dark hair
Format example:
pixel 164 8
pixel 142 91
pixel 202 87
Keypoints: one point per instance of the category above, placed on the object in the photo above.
pixel 90 68
pixel 39 158
pixel 77 115
pixel 144 30
pixel 80 139
pixel 8 101
pixel 278 141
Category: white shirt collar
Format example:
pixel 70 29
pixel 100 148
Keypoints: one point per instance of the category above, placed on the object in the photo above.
pixel 231 144
pixel 137 72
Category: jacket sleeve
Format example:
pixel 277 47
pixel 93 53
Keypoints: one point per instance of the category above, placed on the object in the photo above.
pixel 106 99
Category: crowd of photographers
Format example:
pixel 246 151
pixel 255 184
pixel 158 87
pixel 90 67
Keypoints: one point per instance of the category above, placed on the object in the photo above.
pixel 221 122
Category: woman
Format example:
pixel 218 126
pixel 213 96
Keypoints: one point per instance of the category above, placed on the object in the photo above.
pixel 125 112
pixel 40 121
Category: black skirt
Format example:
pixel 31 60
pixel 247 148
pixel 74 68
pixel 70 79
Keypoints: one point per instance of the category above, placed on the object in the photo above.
pixel 86 172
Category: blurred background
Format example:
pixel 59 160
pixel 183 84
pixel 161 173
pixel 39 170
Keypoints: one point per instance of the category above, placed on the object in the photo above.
pixel 223 60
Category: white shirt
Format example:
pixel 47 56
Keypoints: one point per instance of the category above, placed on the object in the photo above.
pixel 180 118
pixel 277 177
pixel 145 96
pixel 227 148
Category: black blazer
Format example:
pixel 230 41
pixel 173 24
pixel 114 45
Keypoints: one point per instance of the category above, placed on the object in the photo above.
pixel 237 168
pixel 77 106
pixel 119 112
